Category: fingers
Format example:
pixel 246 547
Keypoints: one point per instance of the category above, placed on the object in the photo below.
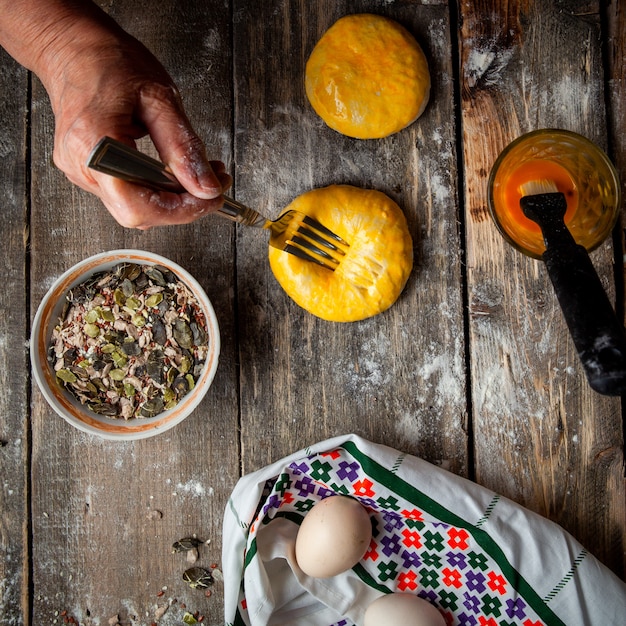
pixel 178 145
pixel 134 206
pixel 138 102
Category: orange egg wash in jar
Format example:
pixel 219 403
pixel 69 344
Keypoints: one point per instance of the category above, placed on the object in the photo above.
pixel 536 170
pixel 579 169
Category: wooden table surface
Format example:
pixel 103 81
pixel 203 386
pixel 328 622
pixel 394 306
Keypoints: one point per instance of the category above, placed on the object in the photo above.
pixel 472 369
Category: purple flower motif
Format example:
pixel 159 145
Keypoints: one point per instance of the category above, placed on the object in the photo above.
pixel 431 596
pixel 472 603
pixel 299 468
pixel 442 524
pixel 392 520
pixel 467 620
pixel 410 559
pixel 457 559
pixel 475 581
pixel 348 471
pixel 391 545
pixel 368 502
pixel 273 502
pixel 305 486
pixel 323 492
pixel 515 608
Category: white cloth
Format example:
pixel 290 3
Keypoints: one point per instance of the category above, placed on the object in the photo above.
pixel 481 559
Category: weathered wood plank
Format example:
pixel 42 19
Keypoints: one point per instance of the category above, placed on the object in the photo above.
pixel 14 400
pixel 397 378
pixel 542 437
pixel 106 514
pixel 615 15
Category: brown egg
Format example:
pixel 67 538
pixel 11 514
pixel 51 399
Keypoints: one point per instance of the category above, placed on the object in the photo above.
pixel 333 537
pixel 402 609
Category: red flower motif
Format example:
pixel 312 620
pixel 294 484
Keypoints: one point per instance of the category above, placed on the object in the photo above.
pixel 287 498
pixel 497 583
pixel 452 578
pixel 364 488
pixel 529 622
pixel 407 581
pixel 458 538
pixel 483 621
pixel 415 515
pixel 372 553
pixel 333 454
pixel 411 538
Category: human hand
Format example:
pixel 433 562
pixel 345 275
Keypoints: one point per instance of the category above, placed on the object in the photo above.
pixel 101 81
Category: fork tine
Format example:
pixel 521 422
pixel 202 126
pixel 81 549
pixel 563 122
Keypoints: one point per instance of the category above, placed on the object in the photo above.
pixel 313 250
pixel 314 238
pixel 316 226
pixel 309 256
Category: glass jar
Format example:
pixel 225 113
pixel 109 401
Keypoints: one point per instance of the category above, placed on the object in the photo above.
pixel 580 170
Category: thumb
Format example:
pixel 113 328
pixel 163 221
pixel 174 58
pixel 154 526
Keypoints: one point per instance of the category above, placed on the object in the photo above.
pixel 176 142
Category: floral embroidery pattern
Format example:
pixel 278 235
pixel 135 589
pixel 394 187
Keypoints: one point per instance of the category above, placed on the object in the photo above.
pixel 412 550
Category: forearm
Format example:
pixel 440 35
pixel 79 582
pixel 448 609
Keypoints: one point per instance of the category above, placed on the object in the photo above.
pixel 101 81
pixel 42 35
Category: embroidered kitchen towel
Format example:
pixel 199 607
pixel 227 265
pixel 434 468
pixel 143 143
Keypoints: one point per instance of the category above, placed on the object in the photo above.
pixel 481 559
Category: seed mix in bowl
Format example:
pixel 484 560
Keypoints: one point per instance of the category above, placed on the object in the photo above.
pixel 130 342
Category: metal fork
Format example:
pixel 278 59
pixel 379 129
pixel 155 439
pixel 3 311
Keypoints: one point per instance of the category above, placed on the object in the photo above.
pixel 294 232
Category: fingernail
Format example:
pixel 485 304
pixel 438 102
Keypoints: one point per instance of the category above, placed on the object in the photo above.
pixel 210 186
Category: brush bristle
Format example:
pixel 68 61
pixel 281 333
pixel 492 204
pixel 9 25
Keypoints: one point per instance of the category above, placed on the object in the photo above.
pixel 537 187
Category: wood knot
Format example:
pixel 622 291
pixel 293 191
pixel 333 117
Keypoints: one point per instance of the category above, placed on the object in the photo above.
pixel 479 213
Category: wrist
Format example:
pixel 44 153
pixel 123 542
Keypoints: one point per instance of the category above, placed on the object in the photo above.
pixel 44 35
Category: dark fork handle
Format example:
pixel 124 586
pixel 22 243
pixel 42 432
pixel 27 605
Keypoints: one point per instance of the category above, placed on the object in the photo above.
pixel 121 161
pixel 116 159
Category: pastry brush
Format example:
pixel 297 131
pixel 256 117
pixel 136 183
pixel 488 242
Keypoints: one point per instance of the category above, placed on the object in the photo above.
pixel 598 335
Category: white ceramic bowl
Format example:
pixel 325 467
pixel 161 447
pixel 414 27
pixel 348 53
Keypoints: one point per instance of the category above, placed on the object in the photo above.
pixel 70 408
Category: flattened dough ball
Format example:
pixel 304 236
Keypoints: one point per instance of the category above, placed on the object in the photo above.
pixel 373 273
pixel 367 77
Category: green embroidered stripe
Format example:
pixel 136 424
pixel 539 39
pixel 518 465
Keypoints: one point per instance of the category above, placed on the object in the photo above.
pixel 396 465
pixel 238 619
pixel 489 511
pixel 367 578
pixel 231 505
pixel 410 493
pixel 559 587
pixel 290 515
pixel 250 554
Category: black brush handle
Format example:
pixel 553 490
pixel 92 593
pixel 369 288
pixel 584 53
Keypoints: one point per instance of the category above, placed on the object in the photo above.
pixel 597 333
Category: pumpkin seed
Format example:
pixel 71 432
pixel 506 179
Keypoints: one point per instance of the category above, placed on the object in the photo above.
pixel 138 320
pixel 92 316
pixel 133 303
pixel 119 297
pixel 183 334
pixel 154 300
pixel 92 330
pixel 107 315
pixel 117 374
pixel 186 543
pixel 152 407
pixel 66 376
pixel 198 577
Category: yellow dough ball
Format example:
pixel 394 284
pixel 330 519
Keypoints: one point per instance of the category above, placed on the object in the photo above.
pixel 371 276
pixel 367 77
